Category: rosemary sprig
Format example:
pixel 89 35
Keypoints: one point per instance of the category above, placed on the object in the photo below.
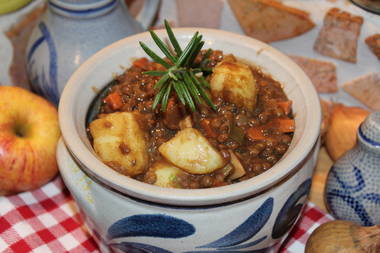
pixel 179 76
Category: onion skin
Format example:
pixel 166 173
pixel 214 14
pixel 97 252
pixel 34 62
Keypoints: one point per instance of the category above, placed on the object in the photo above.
pixel 342 130
pixel 341 236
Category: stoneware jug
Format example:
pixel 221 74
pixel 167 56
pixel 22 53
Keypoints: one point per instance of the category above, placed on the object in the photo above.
pixel 353 184
pixel 70 31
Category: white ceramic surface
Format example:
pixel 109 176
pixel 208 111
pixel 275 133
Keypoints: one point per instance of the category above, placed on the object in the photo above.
pixel 272 200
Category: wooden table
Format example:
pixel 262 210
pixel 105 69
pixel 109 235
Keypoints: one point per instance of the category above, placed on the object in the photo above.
pixel 319 179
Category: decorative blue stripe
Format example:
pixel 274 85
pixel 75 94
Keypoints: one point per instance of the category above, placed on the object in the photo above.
pixel 87 11
pixel 353 203
pixel 372 142
pixel 34 47
pixel 153 225
pixel 372 197
pixel 291 210
pixel 358 176
pixel 245 231
pixel 53 83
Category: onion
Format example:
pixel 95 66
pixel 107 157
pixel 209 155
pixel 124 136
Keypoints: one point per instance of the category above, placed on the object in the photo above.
pixel 341 236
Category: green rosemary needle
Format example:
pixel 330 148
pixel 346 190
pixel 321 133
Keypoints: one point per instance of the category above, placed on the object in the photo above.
pixel 181 76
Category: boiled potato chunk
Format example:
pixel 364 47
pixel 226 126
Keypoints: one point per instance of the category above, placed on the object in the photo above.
pixel 165 174
pixel 234 82
pixel 120 142
pixel 190 151
pixel 186 122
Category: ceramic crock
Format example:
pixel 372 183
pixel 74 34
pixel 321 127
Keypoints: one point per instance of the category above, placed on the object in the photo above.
pixel 130 216
pixel 71 31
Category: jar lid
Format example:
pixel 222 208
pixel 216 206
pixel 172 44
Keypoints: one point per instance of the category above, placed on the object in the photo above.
pixel 7 6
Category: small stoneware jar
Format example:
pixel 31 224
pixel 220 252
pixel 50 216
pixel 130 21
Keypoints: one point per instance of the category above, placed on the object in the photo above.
pixel 70 32
pixel 353 188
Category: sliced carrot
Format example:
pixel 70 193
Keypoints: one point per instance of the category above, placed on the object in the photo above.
pixel 141 63
pixel 114 100
pixel 205 124
pixel 171 103
pixel 256 133
pixel 158 66
pixel 284 125
pixel 285 105
pixel 263 83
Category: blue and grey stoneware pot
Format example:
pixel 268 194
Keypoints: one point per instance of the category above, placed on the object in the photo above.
pixel 353 184
pixel 70 32
pixel 120 223
pixel 126 215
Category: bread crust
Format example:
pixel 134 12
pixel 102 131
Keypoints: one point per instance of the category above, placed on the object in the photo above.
pixel 373 43
pixel 269 20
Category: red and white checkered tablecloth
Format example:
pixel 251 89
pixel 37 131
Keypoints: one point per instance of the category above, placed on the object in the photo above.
pixel 47 220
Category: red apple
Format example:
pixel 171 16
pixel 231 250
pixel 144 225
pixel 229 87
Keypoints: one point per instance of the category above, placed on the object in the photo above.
pixel 29 133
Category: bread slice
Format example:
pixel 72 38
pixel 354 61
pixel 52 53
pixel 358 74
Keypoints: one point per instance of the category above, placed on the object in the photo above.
pixel 321 73
pixel 373 42
pixel 366 89
pixel 338 37
pixel 269 20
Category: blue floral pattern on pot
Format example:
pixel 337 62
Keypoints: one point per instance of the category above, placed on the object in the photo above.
pixel 155 225
pixel 353 189
pixel 246 230
pixel 149 225
pixel 163 226
pixel 291 210
pixel 45 78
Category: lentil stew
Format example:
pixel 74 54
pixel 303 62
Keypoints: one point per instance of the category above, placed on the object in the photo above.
pixel 233 143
